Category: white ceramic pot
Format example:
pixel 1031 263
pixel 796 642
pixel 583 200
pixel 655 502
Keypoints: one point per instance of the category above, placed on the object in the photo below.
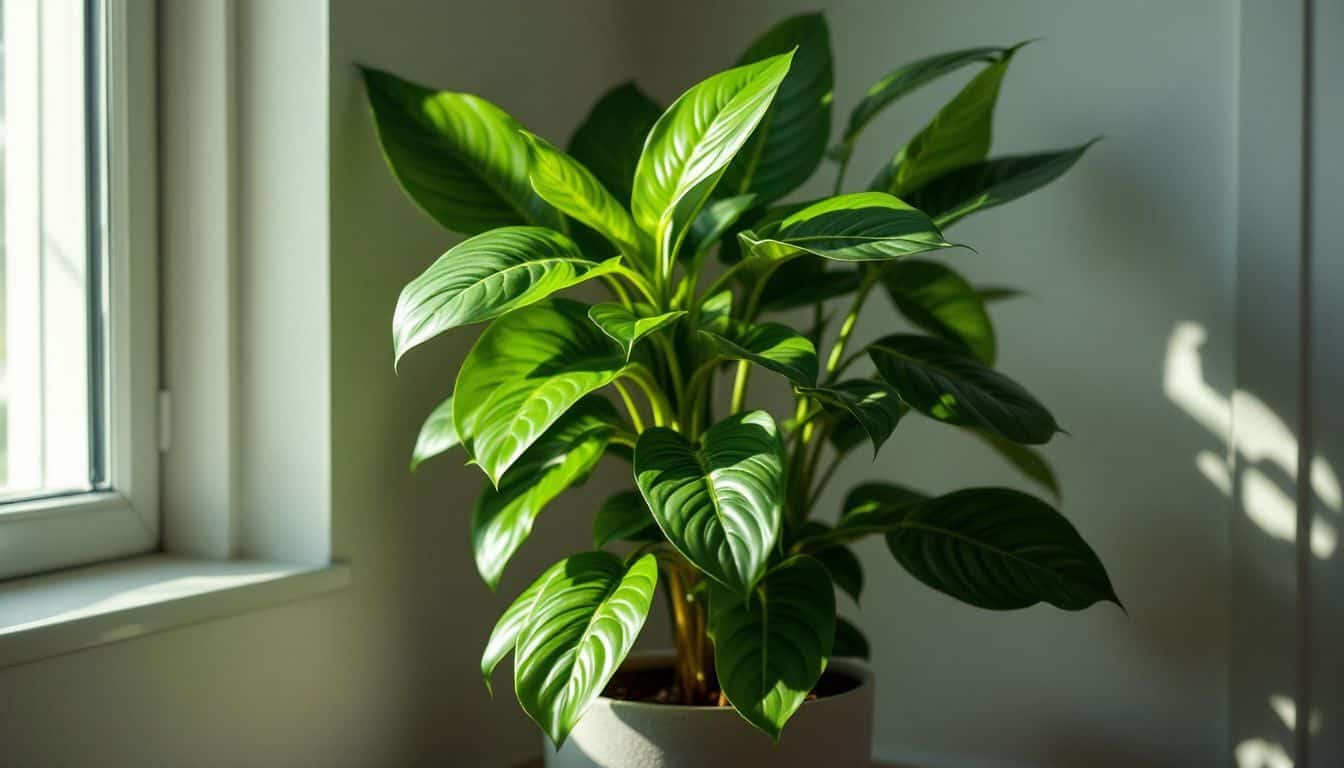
pixel 835 732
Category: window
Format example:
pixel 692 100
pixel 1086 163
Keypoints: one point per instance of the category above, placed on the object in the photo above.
pixel 76 459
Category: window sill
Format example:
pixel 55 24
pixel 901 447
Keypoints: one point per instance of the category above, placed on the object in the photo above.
pixel 57 613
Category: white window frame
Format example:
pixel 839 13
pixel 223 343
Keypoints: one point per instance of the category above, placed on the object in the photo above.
pixel 62 531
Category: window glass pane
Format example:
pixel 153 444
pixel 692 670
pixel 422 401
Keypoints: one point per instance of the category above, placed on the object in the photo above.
pixel 50 262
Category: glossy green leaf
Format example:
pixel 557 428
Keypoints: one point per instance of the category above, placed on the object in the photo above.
pixel 804 282
pixel 484 277
pixel 719 504
pixel 716 311
pixel 611 138
pixel 693 142
pixel 905 79
pixel 863 226
pixel 942 302
pixel 849 640
pixel 956 195
pixel 845 569
pixel 942 382
pixel 506 631
pixel 959 135
pixel 1026 460
pixel 714 220
pixel 563 456
pixel 436 436
pixel 625 327
pixel 581 626
pixel 575 191
pixel 456 155
pixel 1000 549
pixel 770 345
pixel 624 517
pixel 770 651
pixel 869 508
pixel 524 372
pixel 790 142
pixel 873 404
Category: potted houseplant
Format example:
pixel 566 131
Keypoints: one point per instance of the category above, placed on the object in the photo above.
pixel 678 213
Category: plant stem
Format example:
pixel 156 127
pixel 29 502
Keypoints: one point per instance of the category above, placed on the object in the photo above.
pixel 740 385
pixel 635 420
pixel 662 409
pixel 619 290
pixel 847 327
pixel 694 663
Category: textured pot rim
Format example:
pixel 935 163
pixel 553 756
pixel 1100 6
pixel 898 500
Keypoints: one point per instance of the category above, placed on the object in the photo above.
pixel 852 667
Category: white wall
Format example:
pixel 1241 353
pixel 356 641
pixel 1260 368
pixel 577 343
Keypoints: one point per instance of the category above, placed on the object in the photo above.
pixel 1136 240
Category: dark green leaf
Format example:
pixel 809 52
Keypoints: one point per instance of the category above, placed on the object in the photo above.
pixel 849 641
pixel 956 195
pixel 864 226
pixel 869 508
pixel 610 139
pixel 624 517
pixel 944 383
pixel 720 505
pixel 582 624
pixel 486 276
pixel 715 219
pixel 790 142
pixel 943 303
pixel 845 569
pixel 524 372
pixel 1000 549
pixel 575 191
pixel 436 436
pixel 1026 460
pixel 873 404
pixel 625 328
pixel 991 294
pixel 770 345
pixel 770 651
pixel 716 311
pixel 803 282
pixel 563 456
pixel 458 156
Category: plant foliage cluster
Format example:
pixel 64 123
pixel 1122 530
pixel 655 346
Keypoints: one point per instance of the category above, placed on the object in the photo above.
pixel 644 201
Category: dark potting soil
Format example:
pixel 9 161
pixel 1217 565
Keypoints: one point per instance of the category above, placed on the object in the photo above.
pixel 658 685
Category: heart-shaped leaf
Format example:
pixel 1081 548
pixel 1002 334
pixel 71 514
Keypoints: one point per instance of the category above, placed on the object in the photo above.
pixel 524 372
pixel 957 194
pixel 611 138
pixel 625 327
pixel 944 383
pixel 869 508
pixel 458 156
pixel 720 505
pixel 1026 460
pixel 959 134
pixel 769 345
pixel 1000 549
pixel 873 404
pixel 505 634
pixel 863 226
pixel 790 142
pixel 770 650
pixel 624 517
pixel 436 436
pixel 905 79
pixel 849 641
pixel 582 624
pixel 693 142
pixel 484 277
pixel 943 303
pixel 575 191
pixel 563 456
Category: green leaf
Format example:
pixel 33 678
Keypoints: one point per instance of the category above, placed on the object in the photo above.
pixel 845 569
pixel 943 303
pixel 1000 549
pixel 849 641
pixel 563 456
pixel 956 195
pixel 1026 460
pixel 715 219
pixel 869 508
pixel 456 155
pixel 505 634
pixel 770 651
pixel 944 383
pixel 770 345
pixel 611 138
pixel 992 294
pixel 959 135
pixel 873 404
pixel 484 277
pixel 716 311
pixel 693 142
pixel 790 142
pixel 863 226
pixel 524 372
pixel 581 626
pixel 624 517
pixel 905 79
pixel 625 328
pixel 436 436
pixel 720 505
pixel 804 282
pixel 575 191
